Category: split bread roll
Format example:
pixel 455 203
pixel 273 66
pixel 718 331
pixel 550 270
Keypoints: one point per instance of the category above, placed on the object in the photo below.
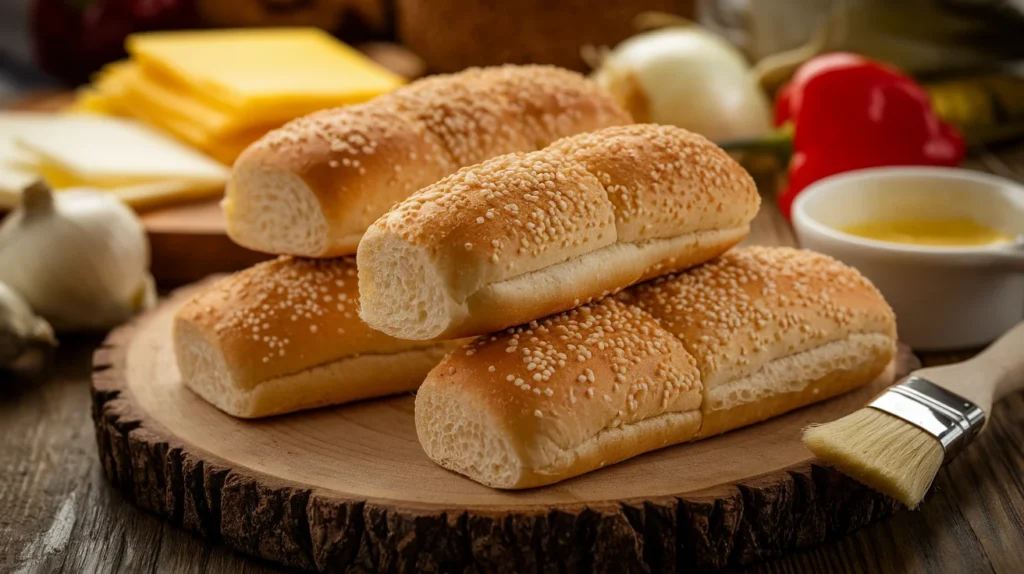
pixel 285 335
pixel 523 236
pixel 312 187
pixel 749 336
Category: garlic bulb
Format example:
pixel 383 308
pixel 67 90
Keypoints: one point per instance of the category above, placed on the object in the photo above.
pixel 80 258
pixel 687 77
pixel 20 329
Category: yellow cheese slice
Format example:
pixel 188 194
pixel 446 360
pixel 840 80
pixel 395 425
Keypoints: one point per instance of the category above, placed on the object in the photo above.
pixel 112 85
pixel 164 98
pixel 106 151
pixel 145 91
pixel 223 150
pixel 91 101
pixel 160 193
pixel 271 72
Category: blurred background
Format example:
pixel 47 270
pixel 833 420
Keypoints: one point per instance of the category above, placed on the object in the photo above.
pixel 70 39
pixel 106 92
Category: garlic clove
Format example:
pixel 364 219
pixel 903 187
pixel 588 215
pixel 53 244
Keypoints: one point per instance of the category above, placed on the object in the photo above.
pixel 79 258
pixel 20 328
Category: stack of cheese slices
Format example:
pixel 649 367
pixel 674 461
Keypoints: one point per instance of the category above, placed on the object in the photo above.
pixel 589 258
pixel 220 90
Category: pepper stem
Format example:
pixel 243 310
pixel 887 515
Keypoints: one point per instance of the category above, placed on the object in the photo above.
pixel 37 197
pixel 778 142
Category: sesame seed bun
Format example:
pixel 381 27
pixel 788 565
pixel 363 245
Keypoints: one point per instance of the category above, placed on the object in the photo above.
pixel 766 323
pixel 285 335
pixel 312 187
pixel 559 397
pixel 749 336
pixel 523 236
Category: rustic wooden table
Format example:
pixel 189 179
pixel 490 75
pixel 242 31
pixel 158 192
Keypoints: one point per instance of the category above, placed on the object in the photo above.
pixel 58 514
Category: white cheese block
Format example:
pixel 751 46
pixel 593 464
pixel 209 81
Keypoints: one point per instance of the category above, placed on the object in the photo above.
pixel 140 165
pixel 100 150
pixel 13 175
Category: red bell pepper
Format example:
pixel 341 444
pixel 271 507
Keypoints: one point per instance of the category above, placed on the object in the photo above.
pixel 850 113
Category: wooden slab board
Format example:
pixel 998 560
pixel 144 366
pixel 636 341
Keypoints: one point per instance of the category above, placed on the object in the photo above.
pixel 349 487
pixel 187 241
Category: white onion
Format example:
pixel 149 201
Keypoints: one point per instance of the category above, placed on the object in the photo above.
pixel 687 77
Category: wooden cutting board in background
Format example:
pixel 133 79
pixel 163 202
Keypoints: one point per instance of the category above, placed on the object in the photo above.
pixel 187 241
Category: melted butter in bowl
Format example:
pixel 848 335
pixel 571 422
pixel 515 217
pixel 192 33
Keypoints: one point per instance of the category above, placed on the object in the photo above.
pixel 960 232
pixel 945 246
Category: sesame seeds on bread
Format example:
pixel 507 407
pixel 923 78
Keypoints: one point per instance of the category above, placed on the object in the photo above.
pixel 763 323
pixel 558 397
pixel 312 187
pixel 522 236
pixel 749 336
pixel 286 335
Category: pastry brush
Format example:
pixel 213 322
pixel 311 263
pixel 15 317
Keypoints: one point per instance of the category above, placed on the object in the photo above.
pixel 898 442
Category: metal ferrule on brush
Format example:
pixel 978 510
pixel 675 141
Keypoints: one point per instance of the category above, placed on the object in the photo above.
pixel 950 418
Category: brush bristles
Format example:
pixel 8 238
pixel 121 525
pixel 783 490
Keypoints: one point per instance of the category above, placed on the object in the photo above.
pixel 881 451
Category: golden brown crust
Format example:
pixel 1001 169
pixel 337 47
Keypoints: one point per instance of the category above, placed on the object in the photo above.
pixel 553 103
pixel 555 384
pixel 358 161
pixel 613 194
pixel 763 330
pixel 664 181
pixel 283 316
pixel 738 312
pixel 504 217
pixel 455 34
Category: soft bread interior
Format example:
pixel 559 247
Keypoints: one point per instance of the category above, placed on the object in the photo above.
pixel 408 296
pixel 581 279
pixel 405 297
pixel 352 378
pixel 465 438
pixel 279 213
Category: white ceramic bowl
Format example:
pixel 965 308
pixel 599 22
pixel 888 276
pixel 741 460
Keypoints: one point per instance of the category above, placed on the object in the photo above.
pixel 944 297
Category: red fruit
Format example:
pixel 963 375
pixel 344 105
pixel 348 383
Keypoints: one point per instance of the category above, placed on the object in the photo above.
pixel 74 38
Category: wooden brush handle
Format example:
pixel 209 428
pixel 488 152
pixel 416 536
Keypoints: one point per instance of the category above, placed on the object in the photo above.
pixel 993 374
